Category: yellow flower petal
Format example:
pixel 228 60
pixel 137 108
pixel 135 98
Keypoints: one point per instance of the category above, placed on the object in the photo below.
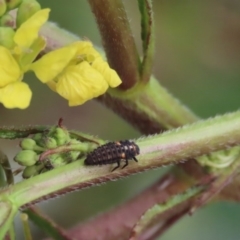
pixel 28 57
pixel 16 95
pixel 86 49
pixel 28 31
pixel 52 64
pixel 52 85
pixel 9 69
pixel 109 74
pixel 81 83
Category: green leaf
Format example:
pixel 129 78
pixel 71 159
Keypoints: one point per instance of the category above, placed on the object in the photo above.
pixel 147 34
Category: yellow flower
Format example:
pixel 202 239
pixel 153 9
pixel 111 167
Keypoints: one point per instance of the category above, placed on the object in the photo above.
pixel 28 43
pixel 13 92
pixel 16 95
pixel 81 83
pixel 15 62
pixel 27 33
pixel 9 68
pixel 77 72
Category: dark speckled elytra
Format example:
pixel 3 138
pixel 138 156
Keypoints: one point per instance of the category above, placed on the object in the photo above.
pixel 113 152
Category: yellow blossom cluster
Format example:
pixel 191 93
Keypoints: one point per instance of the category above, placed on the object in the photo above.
pixel 77 71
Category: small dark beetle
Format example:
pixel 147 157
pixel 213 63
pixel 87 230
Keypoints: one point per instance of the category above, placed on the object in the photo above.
pixel 113 152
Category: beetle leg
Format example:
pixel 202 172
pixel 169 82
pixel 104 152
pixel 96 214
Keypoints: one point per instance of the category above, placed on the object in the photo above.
pixel 135 159
pixel 125 163
pixel 118 165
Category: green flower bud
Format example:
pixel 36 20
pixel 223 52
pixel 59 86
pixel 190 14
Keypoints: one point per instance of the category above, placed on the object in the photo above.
pixel 39 139
pixel 27 144
pixel 44 170
pixel 73 155
pixel 6 37
pixel 36 137
pixel 7 20
pixel 57 160
pixel 3 7
pixel 32 170
pixel 11 4
pixel 26 158
pixel 50 142
pixel 61 136
pixel 26 10
pixel 30 144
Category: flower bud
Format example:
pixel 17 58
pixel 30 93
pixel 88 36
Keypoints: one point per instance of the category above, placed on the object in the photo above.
pixel 73 155
pixel 7 20
pixel 26 158
pixel 27 144
pixel 3 7
pixel 30 144
pixel 6 37
pixel 50 142
pixel 32 170
pixel 11 4
pixel 59 161
pixel 26 10
pixel 36 137
pixel 60 135
pixel 39 139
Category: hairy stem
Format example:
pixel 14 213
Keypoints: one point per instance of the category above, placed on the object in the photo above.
pixel 117 40
pixel 171 147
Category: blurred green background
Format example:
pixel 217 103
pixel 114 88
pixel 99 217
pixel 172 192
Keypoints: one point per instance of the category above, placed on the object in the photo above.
pixel 197 59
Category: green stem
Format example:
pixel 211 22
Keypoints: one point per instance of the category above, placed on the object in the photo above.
pixel 81 147
pixel 4 162
pixel 21 132
pixel 117 40
pixel 147 33
pixel 26 227
pixel 11 232
pixel 149 107
pixel 8 211
pixel 171 147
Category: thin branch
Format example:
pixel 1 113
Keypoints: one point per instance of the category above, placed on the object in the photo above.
pixel 20 132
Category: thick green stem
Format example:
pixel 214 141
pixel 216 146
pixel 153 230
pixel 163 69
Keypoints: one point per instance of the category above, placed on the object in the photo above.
pixel 117 40
pixel 150 108
pixel 171 147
